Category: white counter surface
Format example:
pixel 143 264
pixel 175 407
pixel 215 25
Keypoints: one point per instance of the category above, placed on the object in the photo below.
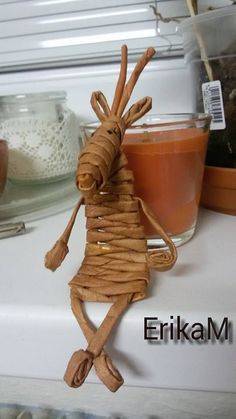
pixel 39 333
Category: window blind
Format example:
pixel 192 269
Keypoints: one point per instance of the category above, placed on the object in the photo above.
pixel 52 33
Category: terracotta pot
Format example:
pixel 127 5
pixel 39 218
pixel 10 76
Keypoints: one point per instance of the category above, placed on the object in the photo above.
pixel 219 189
pixel 3 164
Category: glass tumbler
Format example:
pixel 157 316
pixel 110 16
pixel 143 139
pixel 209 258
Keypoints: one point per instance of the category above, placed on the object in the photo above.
pixel 167 154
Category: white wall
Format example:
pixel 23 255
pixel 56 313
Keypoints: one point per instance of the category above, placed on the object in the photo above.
pixel 168 82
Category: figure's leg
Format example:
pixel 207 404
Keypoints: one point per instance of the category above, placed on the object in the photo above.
pixel 82 361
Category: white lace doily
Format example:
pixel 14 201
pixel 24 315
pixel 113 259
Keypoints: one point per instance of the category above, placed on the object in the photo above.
pixel 41 150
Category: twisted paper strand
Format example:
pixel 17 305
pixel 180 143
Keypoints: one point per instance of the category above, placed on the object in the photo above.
pixel 116 265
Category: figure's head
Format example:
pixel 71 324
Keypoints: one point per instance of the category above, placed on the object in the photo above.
pixel 96 159
pixel 99 153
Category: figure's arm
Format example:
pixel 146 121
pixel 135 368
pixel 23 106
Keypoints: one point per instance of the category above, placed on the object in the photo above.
pixel 160 259
pixel 57 254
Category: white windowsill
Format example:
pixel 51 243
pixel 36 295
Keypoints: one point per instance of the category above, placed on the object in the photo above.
pixel 39 332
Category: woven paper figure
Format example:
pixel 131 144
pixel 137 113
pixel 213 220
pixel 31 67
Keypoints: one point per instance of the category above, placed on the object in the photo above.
pixel 116 264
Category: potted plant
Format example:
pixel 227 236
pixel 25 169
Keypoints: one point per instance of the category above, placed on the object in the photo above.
pixel 210 48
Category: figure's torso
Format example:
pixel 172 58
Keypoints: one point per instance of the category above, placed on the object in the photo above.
pixel 115 255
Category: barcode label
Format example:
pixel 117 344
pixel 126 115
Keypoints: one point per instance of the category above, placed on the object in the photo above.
pixel 213 103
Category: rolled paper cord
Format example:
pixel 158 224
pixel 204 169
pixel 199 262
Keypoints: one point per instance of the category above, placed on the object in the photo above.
pixel 57 254
pixel 105 370
pixel 115 267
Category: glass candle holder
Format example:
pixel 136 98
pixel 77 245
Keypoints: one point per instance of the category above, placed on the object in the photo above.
pixel 42 135
pixel 167 154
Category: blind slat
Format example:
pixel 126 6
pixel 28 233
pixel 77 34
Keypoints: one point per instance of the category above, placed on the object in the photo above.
pixel 33 8
pixel 87 55
pixel 75 21
pixel 88 36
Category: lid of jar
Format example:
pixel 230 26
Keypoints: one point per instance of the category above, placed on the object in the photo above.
pixel 33 97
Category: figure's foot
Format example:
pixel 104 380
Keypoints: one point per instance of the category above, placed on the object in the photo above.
pixel 107 373
pixel 78 368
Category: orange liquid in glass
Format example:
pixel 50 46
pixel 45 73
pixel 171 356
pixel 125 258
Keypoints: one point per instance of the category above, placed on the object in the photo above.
pixel 168 169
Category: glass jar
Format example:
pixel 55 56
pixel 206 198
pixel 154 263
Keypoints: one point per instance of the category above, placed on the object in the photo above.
pixel 42 135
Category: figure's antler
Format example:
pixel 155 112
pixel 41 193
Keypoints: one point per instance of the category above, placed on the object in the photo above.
pixel 121 81
pixel 123 92
pixel 97 99
pixel 136 111
pixel 146 57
